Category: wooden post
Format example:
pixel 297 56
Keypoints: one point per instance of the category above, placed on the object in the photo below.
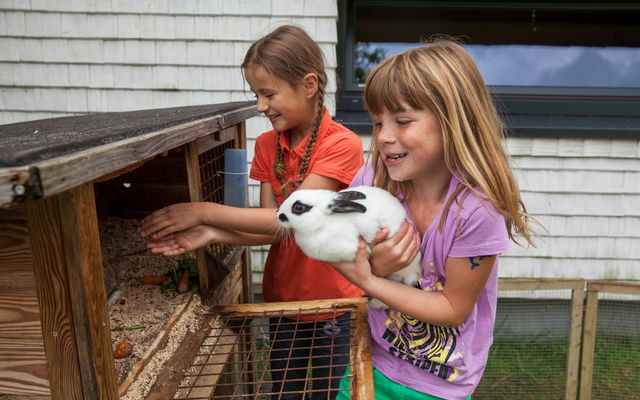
pixel 362 381
pixel 87 290
pixel 69 276
pixel 195 193
pixel 588 342
pixel 247 276
pixel 573 356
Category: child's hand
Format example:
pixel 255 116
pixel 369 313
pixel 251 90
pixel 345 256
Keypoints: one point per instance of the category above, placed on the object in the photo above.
pixel 173 218
pixel 389 255
pixel 358 271
pixel 180 242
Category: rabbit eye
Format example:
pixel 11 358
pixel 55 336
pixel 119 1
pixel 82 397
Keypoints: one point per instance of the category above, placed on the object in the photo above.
pixel 300 208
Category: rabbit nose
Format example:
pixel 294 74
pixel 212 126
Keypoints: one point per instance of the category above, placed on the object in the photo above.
pixel 283 218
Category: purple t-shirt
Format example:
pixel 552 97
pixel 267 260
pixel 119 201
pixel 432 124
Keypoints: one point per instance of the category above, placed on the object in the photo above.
pixel 440 361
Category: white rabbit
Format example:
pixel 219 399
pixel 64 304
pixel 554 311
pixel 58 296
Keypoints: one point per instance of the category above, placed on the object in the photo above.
pixel 326 225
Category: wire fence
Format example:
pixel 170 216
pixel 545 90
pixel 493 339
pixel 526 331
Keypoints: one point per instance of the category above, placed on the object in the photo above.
pixel 611 342
pixel 535 352
pixel 564 339
pixel 239 360
pixel 553 339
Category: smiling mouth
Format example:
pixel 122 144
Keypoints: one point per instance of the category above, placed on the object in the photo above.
pixel 395 157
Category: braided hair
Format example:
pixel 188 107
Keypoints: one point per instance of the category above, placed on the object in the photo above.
pixel 289 53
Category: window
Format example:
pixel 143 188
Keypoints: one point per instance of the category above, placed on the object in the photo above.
pixel 554 68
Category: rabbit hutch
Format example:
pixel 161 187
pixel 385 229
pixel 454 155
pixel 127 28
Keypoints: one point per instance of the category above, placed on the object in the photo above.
pixel 86 311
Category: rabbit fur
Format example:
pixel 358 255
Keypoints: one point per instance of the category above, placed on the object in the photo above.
pixel 327 225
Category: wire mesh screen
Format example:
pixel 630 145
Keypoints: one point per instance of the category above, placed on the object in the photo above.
pixel 212 183
pixel 528 358
pixel 616 361
pixel 256 351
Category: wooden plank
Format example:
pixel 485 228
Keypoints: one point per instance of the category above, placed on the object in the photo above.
pixel 23 368
pixel 194 179
pixel 579 163
pixel 362 376
pixel 16 264
pixel 20 315
pixel 580 181
pixel 23 397
pixel 579 247
pixel 229 290
pixel 216 139
pixel 247 275
pixel 597 204
pixel 298 307
pixel 507 284
pixel 520 265
pixel 588 343
pixel 193 171
pixel 221 345
pixel 88 299
pixel 592 226
pixel 575 334
pixel 615 287
pixel 45 234
pixel 241 135
pixel 172 372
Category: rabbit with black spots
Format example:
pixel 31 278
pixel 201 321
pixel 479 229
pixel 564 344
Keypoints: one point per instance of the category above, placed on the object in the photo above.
pixel 327 225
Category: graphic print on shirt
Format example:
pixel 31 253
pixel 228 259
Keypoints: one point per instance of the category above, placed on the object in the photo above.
pixel 429 347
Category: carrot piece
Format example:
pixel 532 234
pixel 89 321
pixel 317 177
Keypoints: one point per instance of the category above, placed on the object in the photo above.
pixel 154 279
pixel 123 349
pixel 183 284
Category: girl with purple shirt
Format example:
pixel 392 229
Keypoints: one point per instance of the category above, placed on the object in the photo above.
pixel 437 145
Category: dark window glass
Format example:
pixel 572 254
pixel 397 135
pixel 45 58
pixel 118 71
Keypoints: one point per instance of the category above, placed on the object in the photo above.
pixel 513 45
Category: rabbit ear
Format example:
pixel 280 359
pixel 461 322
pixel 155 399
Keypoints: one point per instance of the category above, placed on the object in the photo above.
pixel 346 206
pixel 351 195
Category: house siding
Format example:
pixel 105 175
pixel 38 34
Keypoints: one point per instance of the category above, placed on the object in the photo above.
pixel 61 58
pixel 586 195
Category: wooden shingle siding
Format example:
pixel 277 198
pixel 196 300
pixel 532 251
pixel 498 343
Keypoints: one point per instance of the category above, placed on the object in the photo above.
pixel 116 56
pixel 586 193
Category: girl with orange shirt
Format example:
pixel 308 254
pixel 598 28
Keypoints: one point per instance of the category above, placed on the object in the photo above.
pixel 306 149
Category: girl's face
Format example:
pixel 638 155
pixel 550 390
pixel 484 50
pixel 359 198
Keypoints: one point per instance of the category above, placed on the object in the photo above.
pixel 286 106
pixel 410 144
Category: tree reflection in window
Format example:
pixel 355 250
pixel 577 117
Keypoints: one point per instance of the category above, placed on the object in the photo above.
pixel 366 58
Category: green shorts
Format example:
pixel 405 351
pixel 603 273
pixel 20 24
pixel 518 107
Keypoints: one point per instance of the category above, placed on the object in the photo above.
pixel 385 389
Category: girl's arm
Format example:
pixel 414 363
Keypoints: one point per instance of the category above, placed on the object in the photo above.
pixel 201 235
pixel 465 279
pixel 181 216
pixel 261 221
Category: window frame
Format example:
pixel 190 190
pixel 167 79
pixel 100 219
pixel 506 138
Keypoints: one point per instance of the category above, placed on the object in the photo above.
pixel 526 110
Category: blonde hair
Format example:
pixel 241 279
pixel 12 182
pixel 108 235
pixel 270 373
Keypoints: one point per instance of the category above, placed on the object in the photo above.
pixel 441 76
pixel 289 53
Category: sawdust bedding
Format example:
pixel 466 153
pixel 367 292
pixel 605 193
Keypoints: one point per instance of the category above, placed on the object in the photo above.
pixel 138 312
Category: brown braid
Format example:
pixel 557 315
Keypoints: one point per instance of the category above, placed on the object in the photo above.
pixel 290 185
pixel 278 164
pixel 304 164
